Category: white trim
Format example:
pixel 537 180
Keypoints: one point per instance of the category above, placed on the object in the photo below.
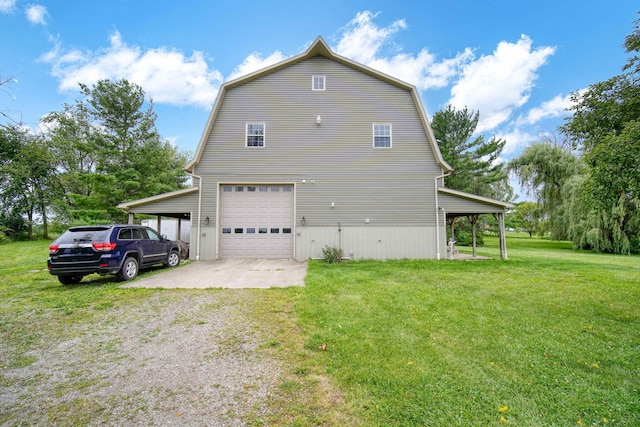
pixel 480 199
pixel 321 78
pixel 373 128
pixel 246 134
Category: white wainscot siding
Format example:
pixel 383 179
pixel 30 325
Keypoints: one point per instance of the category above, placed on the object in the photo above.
pixel 368 242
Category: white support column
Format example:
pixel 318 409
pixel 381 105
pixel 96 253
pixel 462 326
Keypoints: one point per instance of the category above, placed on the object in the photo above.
pixel 503 235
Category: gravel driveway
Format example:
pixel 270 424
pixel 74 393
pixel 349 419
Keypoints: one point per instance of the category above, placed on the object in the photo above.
pixel 187 358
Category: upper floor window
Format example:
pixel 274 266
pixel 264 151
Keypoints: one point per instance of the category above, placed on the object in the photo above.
pixel 255 134
pixel 318 82
pixel 382 135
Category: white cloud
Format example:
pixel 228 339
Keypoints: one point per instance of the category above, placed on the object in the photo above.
pixel 363 41
pixel 36 14
pixel 6 6
pixel 516 140
pixel 497 84
pixel 553 108
pixel 166 75
pixel 255 62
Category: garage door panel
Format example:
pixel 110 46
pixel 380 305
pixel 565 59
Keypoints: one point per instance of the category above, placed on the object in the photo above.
pixel 256 221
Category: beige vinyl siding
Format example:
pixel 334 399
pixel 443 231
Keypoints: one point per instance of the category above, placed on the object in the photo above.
pixel 336 158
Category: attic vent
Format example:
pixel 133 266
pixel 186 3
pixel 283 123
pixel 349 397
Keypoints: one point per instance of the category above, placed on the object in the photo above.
pixel 318 82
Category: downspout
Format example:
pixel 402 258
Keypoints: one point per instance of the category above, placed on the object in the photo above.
pixel 435 187
pixel 199 212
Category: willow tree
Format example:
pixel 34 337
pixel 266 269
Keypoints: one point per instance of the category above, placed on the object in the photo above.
pixel 543 169
pixel 605 127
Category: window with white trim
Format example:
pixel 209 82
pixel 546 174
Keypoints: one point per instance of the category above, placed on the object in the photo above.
pixel 255 134
pixel 318 82
pixel 382 135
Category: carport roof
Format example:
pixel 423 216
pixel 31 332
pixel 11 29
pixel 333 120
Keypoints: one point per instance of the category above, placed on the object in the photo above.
pixel 459 202
pixel 163 196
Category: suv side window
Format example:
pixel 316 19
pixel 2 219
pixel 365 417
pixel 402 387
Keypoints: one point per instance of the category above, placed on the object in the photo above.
pixel 125 234
pixel 139 234
pixel 153 235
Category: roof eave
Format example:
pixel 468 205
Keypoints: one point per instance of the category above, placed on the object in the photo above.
pixel 163 196
pixel 477 198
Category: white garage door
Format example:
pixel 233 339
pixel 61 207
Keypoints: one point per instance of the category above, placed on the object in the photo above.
pixel 256 221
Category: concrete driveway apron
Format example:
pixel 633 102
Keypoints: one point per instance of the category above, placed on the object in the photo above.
pixel 232 273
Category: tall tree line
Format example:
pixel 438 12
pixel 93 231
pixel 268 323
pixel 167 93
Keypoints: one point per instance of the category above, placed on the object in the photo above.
pixel 590 189
pixel 100 151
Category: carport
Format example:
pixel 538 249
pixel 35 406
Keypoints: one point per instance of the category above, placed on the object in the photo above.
pixel 456 204
pixel 176 204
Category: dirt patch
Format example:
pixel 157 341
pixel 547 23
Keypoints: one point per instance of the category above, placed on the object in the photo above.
pixel 179 358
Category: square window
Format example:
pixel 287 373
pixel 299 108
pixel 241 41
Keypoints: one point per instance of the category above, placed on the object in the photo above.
pixel 255 134
pixel 275 188
pixel 251 189
pixel 318 82
pixel 263 188
pixel 227 188
pixel 287 189
pixel 239 189
pixel 251 230
pixel 262 231
pixel 381 135
pixel 275 231
pixel 237 230
pixel 286 231
pixel 226 231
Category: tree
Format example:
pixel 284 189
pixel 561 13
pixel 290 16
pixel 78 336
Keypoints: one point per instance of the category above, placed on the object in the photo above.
pixel 527 217
pixel 474 160
pixel 543 169
pixel 605 127
pixel 111 152
pixel 74 140
pixel 28 177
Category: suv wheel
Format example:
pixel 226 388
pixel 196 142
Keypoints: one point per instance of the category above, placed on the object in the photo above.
pixel 69 280
pixel 129 269
pixel 173 259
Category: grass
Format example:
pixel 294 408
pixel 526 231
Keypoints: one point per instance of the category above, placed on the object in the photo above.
pixel 548 338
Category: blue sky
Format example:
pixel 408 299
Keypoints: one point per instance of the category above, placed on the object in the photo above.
pixel 514 62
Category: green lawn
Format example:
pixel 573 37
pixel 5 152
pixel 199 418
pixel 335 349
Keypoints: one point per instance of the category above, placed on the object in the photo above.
pixel 550 337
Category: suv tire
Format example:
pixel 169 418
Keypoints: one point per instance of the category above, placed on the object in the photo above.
pixel 173 259
pixel 70 280
pixel 129 270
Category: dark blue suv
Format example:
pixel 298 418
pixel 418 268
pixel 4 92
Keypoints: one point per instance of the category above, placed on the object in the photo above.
pixel 109 249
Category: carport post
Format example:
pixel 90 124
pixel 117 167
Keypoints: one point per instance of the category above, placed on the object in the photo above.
pixel 435 195
pixel 132 218
pixel 503 235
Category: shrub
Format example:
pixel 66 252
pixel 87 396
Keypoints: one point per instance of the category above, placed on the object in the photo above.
pixel 332 254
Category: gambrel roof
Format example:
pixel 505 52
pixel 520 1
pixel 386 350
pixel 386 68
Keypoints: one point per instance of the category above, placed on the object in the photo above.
pixel 317 48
